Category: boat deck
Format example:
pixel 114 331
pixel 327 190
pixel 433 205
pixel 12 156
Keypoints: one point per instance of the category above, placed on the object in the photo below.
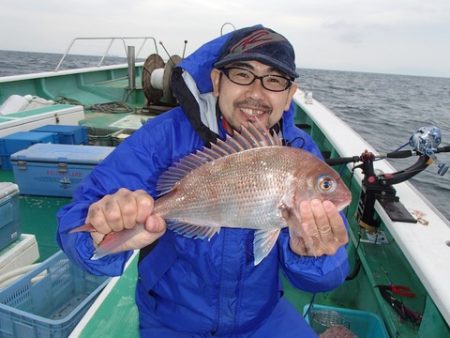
pixel 115 315
pixel 379 263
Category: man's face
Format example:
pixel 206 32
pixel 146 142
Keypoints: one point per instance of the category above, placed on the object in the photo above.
pixel 240 104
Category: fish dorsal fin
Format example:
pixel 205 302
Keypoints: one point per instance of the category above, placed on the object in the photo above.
pixel 255 135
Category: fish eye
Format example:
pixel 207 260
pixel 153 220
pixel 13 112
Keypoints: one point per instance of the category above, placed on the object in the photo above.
pixel 326 184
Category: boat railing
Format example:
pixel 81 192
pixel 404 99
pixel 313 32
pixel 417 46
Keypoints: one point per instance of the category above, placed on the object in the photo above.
pixel 111 39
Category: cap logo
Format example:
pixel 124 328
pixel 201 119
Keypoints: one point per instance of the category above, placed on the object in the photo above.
pixel 255 39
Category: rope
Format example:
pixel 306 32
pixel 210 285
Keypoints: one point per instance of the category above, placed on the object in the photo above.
pixel 111 107
pixel 107 107
pixel 67 100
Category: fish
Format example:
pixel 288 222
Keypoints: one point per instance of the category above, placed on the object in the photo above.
pixel 244 181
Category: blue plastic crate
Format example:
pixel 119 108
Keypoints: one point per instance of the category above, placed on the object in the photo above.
pixel 9 214
pixel 49 301
pixel 66 134
pixel 361 323
pixel 21 140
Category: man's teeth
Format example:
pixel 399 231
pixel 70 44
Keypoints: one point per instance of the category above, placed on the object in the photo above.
pixel 252 112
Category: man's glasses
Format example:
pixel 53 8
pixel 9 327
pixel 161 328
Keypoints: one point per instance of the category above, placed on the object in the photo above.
pixel 244 77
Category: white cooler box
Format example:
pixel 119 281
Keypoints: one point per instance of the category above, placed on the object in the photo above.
pixel 9 214
pixel 55 169
pixel 23 252
pixel 26 120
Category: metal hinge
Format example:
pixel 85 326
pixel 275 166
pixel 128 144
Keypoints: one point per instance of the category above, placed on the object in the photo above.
pixel 62 167
pixel 22 165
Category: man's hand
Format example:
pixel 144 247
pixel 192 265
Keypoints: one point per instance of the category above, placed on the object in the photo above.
pixel 315 228
pixel 123 210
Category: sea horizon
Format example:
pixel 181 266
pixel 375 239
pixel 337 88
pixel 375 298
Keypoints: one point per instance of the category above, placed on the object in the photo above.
pixel 302 67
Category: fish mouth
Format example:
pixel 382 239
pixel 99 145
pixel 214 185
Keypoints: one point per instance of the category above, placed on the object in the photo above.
pixel 340 205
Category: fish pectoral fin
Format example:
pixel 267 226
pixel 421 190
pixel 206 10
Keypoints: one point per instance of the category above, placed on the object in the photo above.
pixel 263 243
pixel 192 230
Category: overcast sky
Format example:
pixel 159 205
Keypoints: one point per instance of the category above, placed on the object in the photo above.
pixel 387 36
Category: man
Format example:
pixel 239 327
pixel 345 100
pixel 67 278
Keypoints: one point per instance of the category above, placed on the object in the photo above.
pixel 201 288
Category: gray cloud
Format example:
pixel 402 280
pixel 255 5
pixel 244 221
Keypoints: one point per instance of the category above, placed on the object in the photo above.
pixel 362 35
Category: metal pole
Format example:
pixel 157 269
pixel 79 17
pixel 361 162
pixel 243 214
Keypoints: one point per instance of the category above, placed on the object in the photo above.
pixel 131 68
pixel 65 54
pixel 106 52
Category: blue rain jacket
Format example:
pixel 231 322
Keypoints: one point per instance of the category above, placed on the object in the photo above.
pixel 191 287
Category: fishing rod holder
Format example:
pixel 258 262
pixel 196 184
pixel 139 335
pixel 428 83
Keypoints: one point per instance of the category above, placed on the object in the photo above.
pixel 379 186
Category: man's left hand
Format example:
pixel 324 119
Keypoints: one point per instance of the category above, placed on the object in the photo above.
pixel 316 228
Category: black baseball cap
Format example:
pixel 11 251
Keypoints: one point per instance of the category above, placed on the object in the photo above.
pixel 258 43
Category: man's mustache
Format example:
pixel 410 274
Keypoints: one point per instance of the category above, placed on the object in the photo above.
pixel 252 103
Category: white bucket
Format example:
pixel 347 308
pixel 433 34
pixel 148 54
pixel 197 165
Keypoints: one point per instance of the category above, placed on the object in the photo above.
pixel 14 104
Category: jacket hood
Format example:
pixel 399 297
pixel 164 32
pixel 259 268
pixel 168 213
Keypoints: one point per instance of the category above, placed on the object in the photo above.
pixel 192 86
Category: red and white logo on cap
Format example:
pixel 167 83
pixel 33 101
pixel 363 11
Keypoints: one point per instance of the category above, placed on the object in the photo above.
pixel 256 39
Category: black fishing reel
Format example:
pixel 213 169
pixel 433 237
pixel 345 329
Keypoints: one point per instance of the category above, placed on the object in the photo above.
pixel 379 186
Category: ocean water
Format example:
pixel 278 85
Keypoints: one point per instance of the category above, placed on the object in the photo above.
pixel 385 109
pixel 15 63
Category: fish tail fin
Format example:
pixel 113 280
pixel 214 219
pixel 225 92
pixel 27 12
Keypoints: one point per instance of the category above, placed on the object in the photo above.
pixel 115 242
pixel 98 255
pixel 82 228
pixel 107 245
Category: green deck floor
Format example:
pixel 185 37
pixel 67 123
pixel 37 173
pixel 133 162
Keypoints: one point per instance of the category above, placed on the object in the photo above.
pixel 123 321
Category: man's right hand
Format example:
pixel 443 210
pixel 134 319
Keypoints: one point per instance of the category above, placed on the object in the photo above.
pixel 123 210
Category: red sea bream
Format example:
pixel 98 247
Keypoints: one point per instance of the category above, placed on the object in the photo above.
pixel 243 182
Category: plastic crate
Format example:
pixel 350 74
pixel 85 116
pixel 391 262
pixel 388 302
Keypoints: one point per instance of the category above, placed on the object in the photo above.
pixel 362 324
pixel 49 301
pixel 22 140
pixel 66 134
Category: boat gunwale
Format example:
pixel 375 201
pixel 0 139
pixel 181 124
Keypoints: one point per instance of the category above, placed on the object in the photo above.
pixel 415 240
pixel 35 76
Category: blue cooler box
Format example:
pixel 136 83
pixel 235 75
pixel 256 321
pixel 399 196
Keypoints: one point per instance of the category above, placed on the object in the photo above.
pixel 21 140
pixel 55 169
pixel 66 134
pixel 9 214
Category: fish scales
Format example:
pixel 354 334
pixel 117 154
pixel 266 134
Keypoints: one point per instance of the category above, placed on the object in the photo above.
pixel 241 188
